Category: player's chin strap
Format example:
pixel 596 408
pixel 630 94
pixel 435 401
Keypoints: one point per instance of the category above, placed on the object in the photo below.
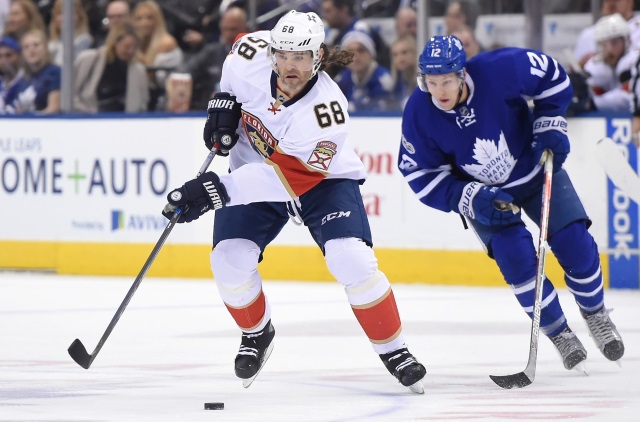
pixel 461 87
pixel 293 208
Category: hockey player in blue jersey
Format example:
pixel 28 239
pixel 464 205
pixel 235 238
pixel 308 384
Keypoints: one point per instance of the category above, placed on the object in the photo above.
pixel 470 142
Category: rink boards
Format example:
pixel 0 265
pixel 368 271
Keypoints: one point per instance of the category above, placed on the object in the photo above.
pixel 84 195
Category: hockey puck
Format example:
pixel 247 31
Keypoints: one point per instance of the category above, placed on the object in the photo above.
pixel 214 406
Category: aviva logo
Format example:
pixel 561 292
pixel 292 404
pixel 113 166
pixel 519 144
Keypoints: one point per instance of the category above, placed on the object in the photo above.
pixel 136 222
pixel 117 220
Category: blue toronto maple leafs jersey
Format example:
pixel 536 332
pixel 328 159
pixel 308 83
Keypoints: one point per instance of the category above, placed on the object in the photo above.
pixel 488 138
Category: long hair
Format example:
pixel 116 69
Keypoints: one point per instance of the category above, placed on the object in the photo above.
pixel 117 33
pixel 81 20
pixel 149 47
pixel 335 59
pixel 33 17
pixel 408 77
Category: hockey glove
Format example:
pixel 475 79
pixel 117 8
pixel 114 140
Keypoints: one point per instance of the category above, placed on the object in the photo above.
pixel 196 197
pixel 488 206
pixel 223 115
pixel 551 133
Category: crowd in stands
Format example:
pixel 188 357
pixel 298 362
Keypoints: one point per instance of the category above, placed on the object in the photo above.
pixel 167 55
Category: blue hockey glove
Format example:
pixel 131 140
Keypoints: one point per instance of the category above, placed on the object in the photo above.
pixel 223 114
pixel 551 133
pixel 488 206
pixel 196 197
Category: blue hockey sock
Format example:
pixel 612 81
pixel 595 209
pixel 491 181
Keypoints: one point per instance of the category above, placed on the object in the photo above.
pixel 515 255
pixel 577 253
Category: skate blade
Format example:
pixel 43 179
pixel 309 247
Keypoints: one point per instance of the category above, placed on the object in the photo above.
pixel 417 388
pixel 581 368
pixel 246 383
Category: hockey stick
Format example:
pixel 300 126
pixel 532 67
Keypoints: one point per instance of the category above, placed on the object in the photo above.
pixel 618 169
pixel 77 351
pixel 526 377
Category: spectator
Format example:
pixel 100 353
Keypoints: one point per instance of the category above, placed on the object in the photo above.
pixel 44 9
pixel 205 67
pixel 610 70
pixel 461 12
pixel 96 15
pixel 110 78
pixel 436 7
pixel 116 12
pixel 404 62
pixel 11 75
pixel 82 39
pixel 23 17
pixel 406 22
pixel 366 84
pixel 159 50
pixel 586 44
pixel 263 7
pixel 469 41
pixel 339 15
pixel 41 93
pixel 191 23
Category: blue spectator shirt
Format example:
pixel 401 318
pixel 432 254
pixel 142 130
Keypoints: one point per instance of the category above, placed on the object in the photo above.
pixel 374 94
pixel 9 94
pixel 35 95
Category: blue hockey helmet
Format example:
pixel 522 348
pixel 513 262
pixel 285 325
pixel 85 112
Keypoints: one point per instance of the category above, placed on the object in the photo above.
pixel 441 55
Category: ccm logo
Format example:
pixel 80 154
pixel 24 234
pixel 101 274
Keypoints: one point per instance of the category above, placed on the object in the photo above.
pixel 333 215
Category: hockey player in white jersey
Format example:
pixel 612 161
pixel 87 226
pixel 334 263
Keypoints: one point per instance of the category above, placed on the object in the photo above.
pixel 284 123
pixel 610 71
pixel 470 144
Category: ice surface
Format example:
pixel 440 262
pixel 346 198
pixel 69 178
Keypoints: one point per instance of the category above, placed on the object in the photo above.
pixel 173 350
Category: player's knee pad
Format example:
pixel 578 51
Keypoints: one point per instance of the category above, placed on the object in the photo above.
pixel 234 262
pixel 515 254
pixel 350 260
pixel 575 249
pixel 353 263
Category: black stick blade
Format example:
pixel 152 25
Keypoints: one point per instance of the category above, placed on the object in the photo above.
pixel 78 353
pixel 509 381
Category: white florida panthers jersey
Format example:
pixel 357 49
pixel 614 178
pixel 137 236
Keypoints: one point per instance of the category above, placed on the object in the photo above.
pixel 286 146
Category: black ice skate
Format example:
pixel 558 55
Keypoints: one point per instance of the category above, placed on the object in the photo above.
pixel 571 350
pixel 605 334
pixel 255 349
pixel 402 365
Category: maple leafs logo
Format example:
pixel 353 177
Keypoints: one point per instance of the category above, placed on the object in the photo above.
pixel 495 161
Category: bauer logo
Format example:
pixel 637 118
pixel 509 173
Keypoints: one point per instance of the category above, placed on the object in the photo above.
pixel 624 263
pixel 136 222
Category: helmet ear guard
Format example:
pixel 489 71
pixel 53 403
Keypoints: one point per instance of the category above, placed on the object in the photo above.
pixel 297 31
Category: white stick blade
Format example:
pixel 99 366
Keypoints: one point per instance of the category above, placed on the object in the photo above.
pixel 618 169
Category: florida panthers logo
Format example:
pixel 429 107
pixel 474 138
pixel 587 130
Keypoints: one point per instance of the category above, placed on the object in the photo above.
pixel 261 139
pixel 322 155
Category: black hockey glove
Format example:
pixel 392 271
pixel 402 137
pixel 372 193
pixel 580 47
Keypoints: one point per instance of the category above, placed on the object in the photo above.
pixel 551 133
pixel 488 206
pixel 223 115
pixel 196 197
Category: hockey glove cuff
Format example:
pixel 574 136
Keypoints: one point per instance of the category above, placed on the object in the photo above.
pixel 551 133
pixel 488 206
pixel 196 197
